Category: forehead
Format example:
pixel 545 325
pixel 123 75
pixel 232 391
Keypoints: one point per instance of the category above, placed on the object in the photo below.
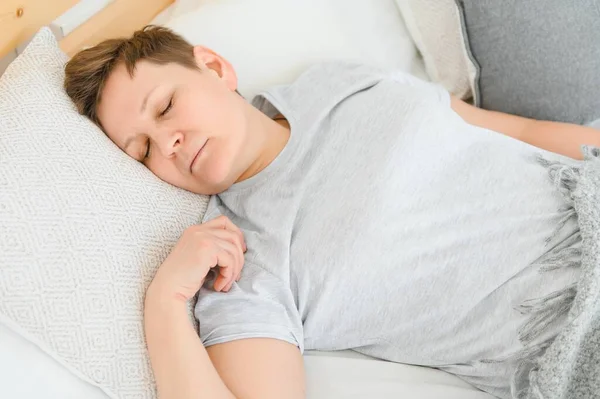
pixel 122 97
pixel 121 88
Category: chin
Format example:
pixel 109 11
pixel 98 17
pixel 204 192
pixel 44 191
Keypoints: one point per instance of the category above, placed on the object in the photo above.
pixel 218 178
pixel 221 170
pixel 212 189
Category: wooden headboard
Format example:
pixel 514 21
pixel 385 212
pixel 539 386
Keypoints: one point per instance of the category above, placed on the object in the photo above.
pixel 20 19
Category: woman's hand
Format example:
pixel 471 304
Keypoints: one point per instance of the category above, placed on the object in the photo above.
pixel 200 248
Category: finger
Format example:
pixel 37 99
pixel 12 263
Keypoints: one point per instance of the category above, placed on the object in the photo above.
pixel 225 261
pixel 234 251
pixel 229 237
pixel 229 284
pixel 228 287
pixel 223 222
pixel 235 229
pixel 230 280
pixel 226 241
pixel 221 282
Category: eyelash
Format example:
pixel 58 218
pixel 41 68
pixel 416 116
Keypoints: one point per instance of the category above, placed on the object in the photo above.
pixel 163 113
pixel 147 154
pixel 168 108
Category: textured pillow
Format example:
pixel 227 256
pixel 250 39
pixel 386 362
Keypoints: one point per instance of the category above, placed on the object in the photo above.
pixel 435 26
pixel 83 228
pixel 536 58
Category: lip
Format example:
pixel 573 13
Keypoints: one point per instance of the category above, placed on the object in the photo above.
pixel 197 155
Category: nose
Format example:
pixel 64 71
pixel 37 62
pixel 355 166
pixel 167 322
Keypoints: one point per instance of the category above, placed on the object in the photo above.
pixel 171 143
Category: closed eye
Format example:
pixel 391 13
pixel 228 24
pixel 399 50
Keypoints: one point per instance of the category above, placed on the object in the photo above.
pixel 167 108
pixel 147 153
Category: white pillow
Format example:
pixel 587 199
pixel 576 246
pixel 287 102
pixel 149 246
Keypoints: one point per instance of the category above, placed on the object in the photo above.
pixel 377 30
pixel 435 26
pixel 83 228
pixel 270 42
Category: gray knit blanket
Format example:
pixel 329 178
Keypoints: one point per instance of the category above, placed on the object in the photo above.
pixel 569 366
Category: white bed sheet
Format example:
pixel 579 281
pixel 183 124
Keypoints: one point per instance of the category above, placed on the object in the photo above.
pixel 28 372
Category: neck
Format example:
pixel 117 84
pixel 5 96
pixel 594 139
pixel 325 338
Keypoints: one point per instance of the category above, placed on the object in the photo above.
pixel 273 137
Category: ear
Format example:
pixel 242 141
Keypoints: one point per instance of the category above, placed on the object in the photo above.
pixel 209 60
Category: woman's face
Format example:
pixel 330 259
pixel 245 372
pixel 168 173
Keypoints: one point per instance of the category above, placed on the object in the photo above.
pixel 187 126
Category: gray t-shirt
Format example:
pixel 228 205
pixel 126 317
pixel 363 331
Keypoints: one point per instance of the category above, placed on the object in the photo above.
pixel 389 226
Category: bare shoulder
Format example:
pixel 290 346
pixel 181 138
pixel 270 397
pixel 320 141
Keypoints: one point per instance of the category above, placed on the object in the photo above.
pixel 260 368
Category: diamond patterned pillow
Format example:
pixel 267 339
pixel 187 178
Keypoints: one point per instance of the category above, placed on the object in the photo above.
pixel 83 228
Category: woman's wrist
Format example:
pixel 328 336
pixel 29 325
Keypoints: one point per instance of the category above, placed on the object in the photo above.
pixel 161 309
pixel 159 296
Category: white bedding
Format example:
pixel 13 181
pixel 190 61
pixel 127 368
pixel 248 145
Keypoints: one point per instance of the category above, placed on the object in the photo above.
pixel 27 372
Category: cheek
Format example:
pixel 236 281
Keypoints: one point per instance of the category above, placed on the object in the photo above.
pixel 214 111
pixel 166 171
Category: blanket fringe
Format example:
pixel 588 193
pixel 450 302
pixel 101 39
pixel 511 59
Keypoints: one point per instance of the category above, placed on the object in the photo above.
pixel 547 310
pixel 529 352
pixel 544 311
pixel 564 177
pixel 561 259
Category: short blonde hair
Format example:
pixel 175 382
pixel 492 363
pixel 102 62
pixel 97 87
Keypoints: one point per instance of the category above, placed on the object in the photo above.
pixel 87 72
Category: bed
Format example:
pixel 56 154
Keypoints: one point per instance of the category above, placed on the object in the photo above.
pixel 28 368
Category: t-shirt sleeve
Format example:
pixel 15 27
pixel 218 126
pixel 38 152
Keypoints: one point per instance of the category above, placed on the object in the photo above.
pixel 434 91
pixel 260 305
pixel 257 306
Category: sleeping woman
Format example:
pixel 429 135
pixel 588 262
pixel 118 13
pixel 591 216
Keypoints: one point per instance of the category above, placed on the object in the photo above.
pixel 355 208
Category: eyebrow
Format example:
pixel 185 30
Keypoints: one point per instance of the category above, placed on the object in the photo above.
pixel 142 109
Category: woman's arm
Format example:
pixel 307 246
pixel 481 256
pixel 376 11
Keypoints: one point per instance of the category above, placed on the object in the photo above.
pixel 181 365
pixel 254 368
pixel 561 138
